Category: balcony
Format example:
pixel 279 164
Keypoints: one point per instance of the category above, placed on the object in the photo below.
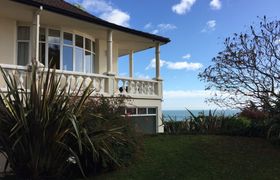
pixel 101 84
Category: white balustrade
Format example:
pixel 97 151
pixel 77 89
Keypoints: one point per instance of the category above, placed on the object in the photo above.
pixel 71 80
pixel 99 83
pixel 131 86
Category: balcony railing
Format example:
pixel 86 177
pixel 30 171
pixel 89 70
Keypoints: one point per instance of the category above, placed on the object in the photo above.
pixel 139 87
pixel 101 84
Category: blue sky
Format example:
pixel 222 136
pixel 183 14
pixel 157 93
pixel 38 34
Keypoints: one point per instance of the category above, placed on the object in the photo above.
pixel 197 29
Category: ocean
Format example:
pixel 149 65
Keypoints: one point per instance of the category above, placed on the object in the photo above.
pixel 182 114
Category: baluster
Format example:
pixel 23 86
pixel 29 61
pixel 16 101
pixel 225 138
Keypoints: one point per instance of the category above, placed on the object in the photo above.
pixel 123 86
pixel 102 84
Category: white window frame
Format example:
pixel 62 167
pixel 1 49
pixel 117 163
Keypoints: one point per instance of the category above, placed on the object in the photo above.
pixel 28 41
pixel 61 44
pixel 138 115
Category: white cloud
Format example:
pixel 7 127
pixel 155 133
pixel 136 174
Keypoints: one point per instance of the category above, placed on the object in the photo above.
pixel 210 26
pixel 216 4
pixel 183 7
pixel 187 56
pixel 142 76
pixel 153 64
pixel 155 31
pixel 160 28
pixel 166 27
pixel 148 26
pixel 107 12
pixel 122 74
pixel 117 16
pixel 183 65
pixel 175 65
pixel 186 93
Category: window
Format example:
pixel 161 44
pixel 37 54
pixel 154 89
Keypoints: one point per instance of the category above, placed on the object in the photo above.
pixel 152 110
pixel 54 48
pixel 65 50
pixel 73 52
pixel 142 110
pixel 42 45
pixel 68 51
pixel 23 44
pixel 131 111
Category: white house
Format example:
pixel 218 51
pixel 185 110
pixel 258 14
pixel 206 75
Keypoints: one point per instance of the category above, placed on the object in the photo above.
pixel 83 47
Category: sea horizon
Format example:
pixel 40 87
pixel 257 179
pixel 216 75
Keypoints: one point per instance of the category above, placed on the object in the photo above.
pixel 182 114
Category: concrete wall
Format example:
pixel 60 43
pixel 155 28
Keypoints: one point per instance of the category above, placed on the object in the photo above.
pixel 7 41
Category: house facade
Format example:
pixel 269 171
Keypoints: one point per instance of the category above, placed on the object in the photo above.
pixel 83 48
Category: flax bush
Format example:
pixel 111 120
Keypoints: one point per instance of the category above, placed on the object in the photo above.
pixel 48 130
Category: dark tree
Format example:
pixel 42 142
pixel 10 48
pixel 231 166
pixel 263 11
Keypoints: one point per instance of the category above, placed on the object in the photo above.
pixel 247 71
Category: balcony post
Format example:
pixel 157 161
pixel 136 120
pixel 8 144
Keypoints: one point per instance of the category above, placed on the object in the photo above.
pixel 157 54
pixel 111 81
pixel 35 35
pixel 131 64
pixel 110 52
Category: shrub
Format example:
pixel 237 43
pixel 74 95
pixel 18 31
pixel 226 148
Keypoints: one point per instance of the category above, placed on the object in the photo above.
pixel 38 129
pixel 236 126
pixel 48 130
pixel 273 133
pixel 115 142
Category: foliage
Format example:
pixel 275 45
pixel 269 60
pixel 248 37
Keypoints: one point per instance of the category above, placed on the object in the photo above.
pixel 216 124
pixel 38 129
pixel 115 143
pixel 273 133
pixel 48 130
pixel 247 71
pixel 235 126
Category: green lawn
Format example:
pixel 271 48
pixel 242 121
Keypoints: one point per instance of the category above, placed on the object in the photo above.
pixel 203 157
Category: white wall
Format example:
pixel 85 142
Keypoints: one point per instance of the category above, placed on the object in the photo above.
pixel 7 41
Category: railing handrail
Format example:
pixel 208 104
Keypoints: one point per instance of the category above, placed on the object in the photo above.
pixel 19 67
pixel 81 74
pixel 136 79
pixel 12 66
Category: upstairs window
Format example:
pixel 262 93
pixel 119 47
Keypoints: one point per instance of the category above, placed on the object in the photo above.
pixel 68 51
pixel 23 45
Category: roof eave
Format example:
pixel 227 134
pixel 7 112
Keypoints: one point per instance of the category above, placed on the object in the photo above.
pixel 98 21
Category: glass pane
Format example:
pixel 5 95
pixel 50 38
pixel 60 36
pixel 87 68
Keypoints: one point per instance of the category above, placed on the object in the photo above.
pixel 131 111
pixel 54 55
pixel 42 34
pixel 68 39
pixel 79 65
pixel 93 47
pixel 152 111
pixel 23 33
pixel 42 52
pixel 88 44
pixel 79 41
pixel 142 111
pixel 54 36
pixel 88 62
pixel 93 63
pixel 67 58
pixel 23 53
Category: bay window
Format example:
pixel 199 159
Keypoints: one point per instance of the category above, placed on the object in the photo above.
pixel 65 50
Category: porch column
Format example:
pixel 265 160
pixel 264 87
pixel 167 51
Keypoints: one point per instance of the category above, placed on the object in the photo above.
pixel 131 64
pixel 35 35
pixel 111 80
pixel 157 54
pixel 110 52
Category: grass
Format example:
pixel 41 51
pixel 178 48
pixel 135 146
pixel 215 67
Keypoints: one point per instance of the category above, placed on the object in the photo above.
pixel 203 157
